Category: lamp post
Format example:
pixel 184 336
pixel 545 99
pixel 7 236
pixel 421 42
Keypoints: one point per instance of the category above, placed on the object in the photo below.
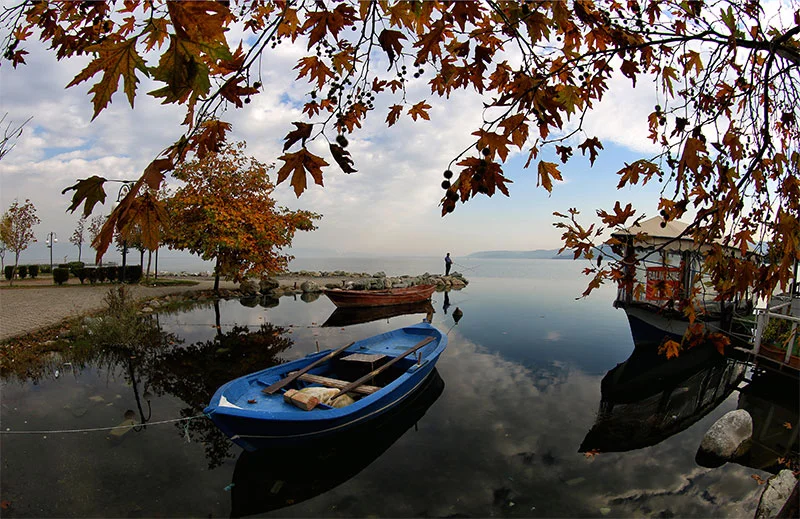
pixel 51 239
pixel 123 191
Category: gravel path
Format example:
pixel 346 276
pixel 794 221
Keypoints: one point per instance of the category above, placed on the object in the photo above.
pixel 38 304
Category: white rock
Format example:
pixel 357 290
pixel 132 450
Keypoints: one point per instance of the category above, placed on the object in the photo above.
pixel 727 437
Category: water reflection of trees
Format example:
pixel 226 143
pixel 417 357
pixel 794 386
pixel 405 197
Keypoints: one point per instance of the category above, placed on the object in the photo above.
pixel 192 373
pixel 154 362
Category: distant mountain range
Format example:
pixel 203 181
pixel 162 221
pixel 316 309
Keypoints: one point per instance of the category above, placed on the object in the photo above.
pixel 528 254
pixel 520 254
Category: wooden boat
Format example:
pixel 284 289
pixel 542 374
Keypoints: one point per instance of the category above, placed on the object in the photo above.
pixel 273 478
pixel 392 296
pixel 268 407
pixel 364 314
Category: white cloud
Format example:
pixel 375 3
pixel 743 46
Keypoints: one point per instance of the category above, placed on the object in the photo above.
pixel 389 206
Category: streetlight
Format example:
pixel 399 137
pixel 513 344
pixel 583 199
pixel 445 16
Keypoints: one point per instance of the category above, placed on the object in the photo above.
pixel 51 239
pixel 123 192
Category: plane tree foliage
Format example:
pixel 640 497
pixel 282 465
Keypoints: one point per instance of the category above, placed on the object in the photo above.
pixel 16 229
pixel 725 73
pixel 225 212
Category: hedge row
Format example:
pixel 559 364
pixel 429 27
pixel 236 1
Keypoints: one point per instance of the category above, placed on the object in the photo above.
pixel 62 272
pixel 23 271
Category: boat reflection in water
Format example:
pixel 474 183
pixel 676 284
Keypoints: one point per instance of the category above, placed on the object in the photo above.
pixel 647 398
pixel 364 314
pixel 273 478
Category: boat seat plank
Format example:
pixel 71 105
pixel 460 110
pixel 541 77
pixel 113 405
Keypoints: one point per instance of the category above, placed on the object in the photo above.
pixel 364 357
pixel 338 384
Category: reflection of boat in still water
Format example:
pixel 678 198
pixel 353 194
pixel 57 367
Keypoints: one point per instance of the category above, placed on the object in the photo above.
pixel 647 398
pixel 274 478
pixel 364 314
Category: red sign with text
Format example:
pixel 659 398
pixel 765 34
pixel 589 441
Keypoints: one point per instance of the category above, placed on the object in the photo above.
pixel 663 283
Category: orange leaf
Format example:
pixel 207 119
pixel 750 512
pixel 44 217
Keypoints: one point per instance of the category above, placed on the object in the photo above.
pixel 619 217
pixel 787 425
pixel 592 453
pixel 592 145
pixel 315 69
pixel 394 114
pixel 89 190
pixel 670 348
pixel 420 110
pixel 390 42
pixel 297 164
pixel 342 157
pixel 720 341
pixel 116 59
pixel 547 172
pixel 302 132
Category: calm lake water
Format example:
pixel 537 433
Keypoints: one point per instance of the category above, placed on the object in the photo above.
pixel 513 424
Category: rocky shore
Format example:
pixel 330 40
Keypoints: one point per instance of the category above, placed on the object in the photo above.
pixel 305 282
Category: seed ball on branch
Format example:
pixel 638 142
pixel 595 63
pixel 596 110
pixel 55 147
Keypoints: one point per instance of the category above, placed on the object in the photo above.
pixel 486 151
pixel 445 184
pixel 452 195
pixel 342 140
pixel 448 173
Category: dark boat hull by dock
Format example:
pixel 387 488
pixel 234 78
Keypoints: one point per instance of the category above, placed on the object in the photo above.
pixel 391 296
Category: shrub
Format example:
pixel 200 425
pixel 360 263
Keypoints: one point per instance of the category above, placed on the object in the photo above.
pixel 22 271
pixel 63 266
pixel 91 274
pixel 74 266
pixel 45 269
pixel 82 274
pixel 33 270
pixel 110 273
pixel 8 272
pixel 60 275
pixel 133 273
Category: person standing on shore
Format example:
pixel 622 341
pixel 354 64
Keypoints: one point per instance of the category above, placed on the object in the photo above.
pixel 448 262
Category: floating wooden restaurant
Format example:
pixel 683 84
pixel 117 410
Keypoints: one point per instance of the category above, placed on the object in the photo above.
pixel 661 266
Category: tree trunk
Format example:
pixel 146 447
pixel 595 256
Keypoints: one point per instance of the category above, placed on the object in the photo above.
pixel 79 252
pixel 155 271
pixel 217 316
pixel 216 277
pixel 14 270
pixel 149 259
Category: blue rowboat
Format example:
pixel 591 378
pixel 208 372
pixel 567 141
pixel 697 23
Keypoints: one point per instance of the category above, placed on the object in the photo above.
pixel 268 408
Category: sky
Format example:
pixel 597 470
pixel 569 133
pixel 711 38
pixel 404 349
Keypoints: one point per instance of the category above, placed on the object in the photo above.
pixel 389 207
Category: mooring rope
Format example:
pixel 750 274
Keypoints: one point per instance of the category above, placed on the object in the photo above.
pixel 95 429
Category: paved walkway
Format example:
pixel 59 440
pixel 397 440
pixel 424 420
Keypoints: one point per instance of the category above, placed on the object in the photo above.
pixel 39 304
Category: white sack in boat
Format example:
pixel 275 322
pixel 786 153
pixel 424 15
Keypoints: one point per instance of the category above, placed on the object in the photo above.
pixel 325 394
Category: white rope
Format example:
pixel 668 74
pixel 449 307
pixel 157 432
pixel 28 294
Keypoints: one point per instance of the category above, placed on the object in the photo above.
pixel 94 429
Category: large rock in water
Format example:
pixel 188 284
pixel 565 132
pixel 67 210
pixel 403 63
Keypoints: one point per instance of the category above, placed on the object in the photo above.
pixel 776 494
pixel 727 439
pixel 248 287
pixel 310 286
pixel 267 285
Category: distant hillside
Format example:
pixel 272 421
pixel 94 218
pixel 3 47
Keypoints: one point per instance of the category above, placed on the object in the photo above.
pixel 529 254
pixel 519 254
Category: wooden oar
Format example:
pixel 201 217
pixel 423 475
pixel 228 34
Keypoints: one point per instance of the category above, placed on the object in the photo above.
pixel 371 374
pixel 284 381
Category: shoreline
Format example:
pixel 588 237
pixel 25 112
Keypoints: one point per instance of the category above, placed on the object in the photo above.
pixel 36 305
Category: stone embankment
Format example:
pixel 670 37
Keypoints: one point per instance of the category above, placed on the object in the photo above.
pixel 314 282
